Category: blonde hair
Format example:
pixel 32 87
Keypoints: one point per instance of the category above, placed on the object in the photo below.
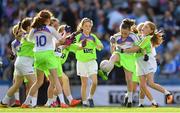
pixel 79 28
pixel 53 19
pixel 15 29
pixel 61 28
pixel 157 36
pixel 139 27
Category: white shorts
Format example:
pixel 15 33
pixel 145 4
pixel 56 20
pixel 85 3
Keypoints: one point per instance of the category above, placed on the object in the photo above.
pixel 146 67
pixel 87 69
pixel 23 66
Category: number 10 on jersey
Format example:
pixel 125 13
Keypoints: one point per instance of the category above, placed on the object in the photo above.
pixel 41 40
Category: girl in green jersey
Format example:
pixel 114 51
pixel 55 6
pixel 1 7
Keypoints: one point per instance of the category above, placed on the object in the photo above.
pixel 24 52
pixel 42 35
pixel 61 53
pixel 151 83
pixel 87 67
pixel 145 69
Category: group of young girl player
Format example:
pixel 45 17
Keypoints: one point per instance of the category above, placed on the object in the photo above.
pixel 42 46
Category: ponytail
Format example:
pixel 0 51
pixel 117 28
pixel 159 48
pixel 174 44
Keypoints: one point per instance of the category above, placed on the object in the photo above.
pixel 157 39
pixel 41 18
pixel 157 36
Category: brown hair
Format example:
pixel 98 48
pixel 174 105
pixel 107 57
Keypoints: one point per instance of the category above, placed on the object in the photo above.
pixel 26 22
pixel 139 27
pixel 157 36
pixel 79 28
pixel 40 19
pixel 127 23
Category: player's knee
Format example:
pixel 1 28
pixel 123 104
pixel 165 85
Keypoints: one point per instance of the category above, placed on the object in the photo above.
pixel 51 84
pixel 114 58
pixel 142 86
pixel 38 83
pixel 16 86
pixel 94 83
pixel 83 84
pixel 65 79
pixel 150 83
pixel 128 80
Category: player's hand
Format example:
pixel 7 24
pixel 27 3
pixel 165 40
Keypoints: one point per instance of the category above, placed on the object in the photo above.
pixel 84 42
pixel 70 39
pixel 146 57
pixel 119 49
pixel 112 40
pixel 68 29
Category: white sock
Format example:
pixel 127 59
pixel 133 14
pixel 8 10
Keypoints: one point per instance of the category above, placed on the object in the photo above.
pixel 141 101
pixel 129 97
pixel 49 102
pixel 28 100
pixel 90 96
pixel 126 95
pixel 61 97
pixel 6 99
pixel 154 102
pixel 85 102
pixel 16 95
pixel 34 101
pixel 166 92
pixel 70 98
pixel 54 98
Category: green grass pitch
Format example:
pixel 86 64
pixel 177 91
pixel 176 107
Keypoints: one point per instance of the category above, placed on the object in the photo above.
pixel 93 110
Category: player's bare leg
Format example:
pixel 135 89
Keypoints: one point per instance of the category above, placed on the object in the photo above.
pixel 152 84
pixel 18 80
pixel 64 80
pixel 83 90
pixel 128 76
pixel 143 87
pixel 33 90
pixel 31 80
pixel 58 88
pixel 93 89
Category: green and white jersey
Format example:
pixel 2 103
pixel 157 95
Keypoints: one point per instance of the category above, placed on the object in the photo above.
pixel 23 47
pixel 145 44
pixel 62 52
pixel 26 48
pixel 89 51
pixel 43 38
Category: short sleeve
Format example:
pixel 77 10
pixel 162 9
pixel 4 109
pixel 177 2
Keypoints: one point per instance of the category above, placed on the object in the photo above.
pixel 98 42
pixel 54 32
pixel 145 42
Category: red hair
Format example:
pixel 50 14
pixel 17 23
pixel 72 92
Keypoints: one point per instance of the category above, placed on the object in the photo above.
pixel 41 18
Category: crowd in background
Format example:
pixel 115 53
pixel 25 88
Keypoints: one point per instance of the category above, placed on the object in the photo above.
pixel 107 16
